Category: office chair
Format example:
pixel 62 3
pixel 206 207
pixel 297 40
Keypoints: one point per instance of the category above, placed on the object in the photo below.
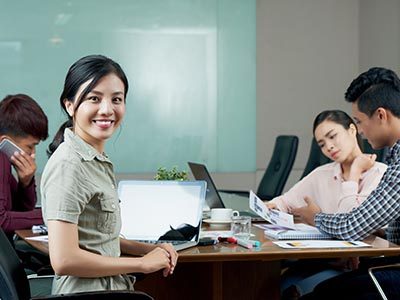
pixel 14 283
pixel 278 168
pixel 316 158
pixel 381 286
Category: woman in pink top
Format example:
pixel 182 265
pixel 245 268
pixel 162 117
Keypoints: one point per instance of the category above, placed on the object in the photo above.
pixel 336 187
pixel 347 181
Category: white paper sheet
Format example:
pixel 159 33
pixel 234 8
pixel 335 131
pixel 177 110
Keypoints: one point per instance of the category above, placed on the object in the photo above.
pixel 40 238
pixel 271 215
pixel 320 244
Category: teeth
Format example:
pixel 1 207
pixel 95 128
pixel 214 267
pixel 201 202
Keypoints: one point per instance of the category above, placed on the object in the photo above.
pixel 104 122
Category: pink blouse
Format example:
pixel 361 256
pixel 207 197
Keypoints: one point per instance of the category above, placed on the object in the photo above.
pixel 326 186
pixel 17 204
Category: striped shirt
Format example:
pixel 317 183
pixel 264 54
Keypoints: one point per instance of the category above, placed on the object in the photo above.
pixel 382 207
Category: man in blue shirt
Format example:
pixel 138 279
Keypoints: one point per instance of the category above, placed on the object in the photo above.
pixel 375 99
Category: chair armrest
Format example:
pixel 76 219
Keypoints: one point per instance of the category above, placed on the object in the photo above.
pixel 101 295
pixel 386 268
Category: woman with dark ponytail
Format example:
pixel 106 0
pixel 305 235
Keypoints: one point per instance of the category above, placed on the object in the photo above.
pixel 337 187
pixel 79 197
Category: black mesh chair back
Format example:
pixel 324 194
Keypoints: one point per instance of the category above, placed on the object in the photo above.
pixel 279 167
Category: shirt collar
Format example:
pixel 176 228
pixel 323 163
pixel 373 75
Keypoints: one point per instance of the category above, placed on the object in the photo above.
pixel 84 150
pixel 394 153
pixel 337 171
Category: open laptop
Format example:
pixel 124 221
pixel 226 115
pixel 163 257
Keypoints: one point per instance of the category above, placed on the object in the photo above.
pixel 213 197
pixel 162 211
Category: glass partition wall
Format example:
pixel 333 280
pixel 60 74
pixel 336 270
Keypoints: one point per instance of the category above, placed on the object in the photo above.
pixel 191 66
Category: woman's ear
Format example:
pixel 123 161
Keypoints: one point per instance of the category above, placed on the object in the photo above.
pixel 69 106
pixel 353 129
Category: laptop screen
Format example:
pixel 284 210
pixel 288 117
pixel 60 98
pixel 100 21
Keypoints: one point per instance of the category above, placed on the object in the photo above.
pixel 200 172
pixel 154 210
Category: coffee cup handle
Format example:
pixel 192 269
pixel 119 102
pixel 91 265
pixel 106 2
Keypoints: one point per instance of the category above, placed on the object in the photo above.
pixel 235 213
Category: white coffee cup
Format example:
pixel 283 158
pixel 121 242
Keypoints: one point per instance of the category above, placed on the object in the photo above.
pixel 223 214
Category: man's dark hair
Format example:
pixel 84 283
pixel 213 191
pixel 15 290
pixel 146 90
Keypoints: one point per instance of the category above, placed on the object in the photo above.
pixel 377 87
pixel 21 116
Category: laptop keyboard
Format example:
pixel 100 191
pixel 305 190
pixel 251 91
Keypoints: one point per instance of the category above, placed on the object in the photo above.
pixel 163 242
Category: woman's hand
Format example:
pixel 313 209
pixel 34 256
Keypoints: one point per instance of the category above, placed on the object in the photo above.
pixel 361 164
pixel 25 166
pixel 271 205
pixel 173 257
pixel 157 259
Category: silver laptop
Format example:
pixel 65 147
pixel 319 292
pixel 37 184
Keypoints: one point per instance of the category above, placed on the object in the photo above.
pixel 162 211
pixel 214 198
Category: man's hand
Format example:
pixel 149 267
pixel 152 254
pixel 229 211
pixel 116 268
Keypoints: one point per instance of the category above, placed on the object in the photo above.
pixel 25 166
pixel 308 212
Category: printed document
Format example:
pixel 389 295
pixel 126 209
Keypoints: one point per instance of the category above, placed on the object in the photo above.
pixel 273 216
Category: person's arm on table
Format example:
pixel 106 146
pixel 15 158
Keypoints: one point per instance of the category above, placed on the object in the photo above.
pixel 67 258
pixel 137 248
pixel 380 208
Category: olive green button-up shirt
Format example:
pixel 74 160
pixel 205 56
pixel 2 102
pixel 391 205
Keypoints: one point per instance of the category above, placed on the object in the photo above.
pixel 78 186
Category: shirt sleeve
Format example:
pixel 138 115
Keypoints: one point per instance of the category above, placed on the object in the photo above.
pixel 11 218
pixel 354 194
pixel 294 197
pixel 26 196
pixel 64 192
pixel 381 207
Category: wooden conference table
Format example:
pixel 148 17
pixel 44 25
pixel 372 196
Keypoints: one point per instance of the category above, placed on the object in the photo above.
pixel 227 271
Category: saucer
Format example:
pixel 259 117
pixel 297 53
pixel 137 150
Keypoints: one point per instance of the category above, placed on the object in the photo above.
pixel 210 221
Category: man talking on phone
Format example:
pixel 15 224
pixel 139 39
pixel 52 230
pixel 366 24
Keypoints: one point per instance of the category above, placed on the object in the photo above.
pixel 22 124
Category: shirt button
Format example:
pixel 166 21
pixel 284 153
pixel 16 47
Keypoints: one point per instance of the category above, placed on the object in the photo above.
pixel 113 186
pixel 113 206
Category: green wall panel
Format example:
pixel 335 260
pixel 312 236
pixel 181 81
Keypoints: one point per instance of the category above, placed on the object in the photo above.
pixel 190 64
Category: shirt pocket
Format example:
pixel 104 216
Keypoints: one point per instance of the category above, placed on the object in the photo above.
pixel 107 218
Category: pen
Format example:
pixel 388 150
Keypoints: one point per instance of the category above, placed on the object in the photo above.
pixel 230 240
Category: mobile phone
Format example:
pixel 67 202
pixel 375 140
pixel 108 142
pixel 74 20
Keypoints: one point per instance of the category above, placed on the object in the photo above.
pixel 205 241
pixel 9 148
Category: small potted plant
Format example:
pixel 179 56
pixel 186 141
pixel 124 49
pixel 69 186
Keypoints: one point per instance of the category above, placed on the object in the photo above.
pixel 173 174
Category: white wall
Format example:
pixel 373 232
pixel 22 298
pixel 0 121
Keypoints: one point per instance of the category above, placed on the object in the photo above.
pixel 379 34
pixel 307 53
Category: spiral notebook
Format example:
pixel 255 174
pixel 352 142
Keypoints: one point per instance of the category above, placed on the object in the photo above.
pixel 302 232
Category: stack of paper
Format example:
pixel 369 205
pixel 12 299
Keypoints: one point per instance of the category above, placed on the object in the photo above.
pixel 282 225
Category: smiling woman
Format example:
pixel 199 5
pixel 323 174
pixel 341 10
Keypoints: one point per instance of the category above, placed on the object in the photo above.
pixel 79 198
pixel 100 112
